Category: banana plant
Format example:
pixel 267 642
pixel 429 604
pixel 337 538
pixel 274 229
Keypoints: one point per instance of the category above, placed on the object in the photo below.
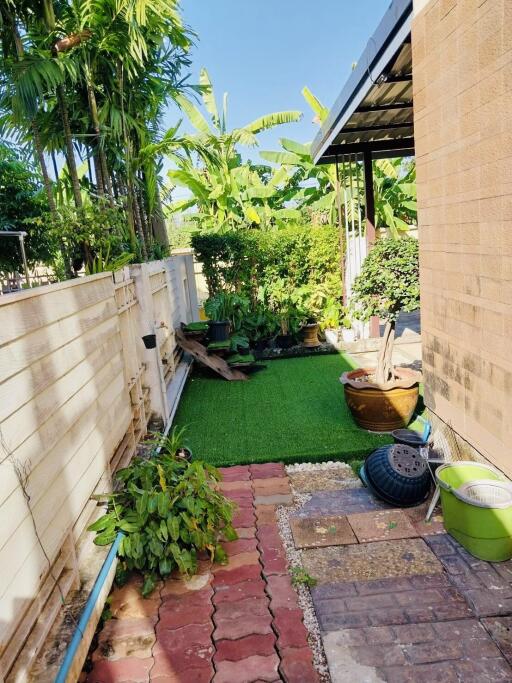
pixel 394 182
pixel 224 191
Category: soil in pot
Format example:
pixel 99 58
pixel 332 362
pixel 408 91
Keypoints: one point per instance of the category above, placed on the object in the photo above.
pixel 381 408
pixel 218 330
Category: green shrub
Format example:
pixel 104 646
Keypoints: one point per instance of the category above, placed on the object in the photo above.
pixel 256 263
pixel 389 280
pixel 169 511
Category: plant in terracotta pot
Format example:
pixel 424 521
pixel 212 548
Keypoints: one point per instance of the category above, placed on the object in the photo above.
pixel 384 398
pixel 312 299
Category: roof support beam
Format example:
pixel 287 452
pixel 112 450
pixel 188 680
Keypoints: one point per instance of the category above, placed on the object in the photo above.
pixel 396 78
pixel 392 147
pixel 384 107
pixel 383 126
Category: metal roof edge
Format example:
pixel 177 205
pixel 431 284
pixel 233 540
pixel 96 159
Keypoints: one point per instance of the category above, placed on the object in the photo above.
pixel 391 31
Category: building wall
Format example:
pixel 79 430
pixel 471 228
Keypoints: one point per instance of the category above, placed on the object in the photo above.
pixel 462 71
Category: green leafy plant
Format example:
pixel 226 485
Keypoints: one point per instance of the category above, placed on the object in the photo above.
pixel 169 511
pixel 228 306
pixel 285 303
pixel 387 284
pixel 300 577
pixel 169 443
pixel 101 265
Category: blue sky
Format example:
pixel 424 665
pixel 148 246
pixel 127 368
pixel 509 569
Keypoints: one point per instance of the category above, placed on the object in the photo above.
pixel 263 52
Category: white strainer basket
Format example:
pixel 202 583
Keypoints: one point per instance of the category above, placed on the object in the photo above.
pixel 485 493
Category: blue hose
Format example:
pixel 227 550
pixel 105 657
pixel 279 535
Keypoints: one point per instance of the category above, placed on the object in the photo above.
pixel 86 614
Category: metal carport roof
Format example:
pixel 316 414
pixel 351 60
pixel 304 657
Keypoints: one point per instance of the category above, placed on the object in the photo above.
pixel 374 112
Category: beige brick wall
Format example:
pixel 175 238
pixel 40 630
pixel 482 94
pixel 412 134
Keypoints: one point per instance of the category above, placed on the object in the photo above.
pixel 462 75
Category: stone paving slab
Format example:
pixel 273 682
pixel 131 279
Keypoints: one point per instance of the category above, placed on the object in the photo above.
pixel 235 623
pixel 316 532
pixel 450 651
pixel 487 586
pixel 344 502
pixel 500 630
pixel 417 517
pixel 388 602
pixel 378 560
pixel 381 525
pixel 333 479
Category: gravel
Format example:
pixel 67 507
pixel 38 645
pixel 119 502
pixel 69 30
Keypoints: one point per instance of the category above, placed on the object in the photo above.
pixel 295 560
pixel 309 466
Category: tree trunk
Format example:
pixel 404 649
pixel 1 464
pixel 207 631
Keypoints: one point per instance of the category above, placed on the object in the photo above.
pixel 384 371
pixel 106 187
pixel 138 224
pixel 70 154
pixel 158 223
pixel 106 177
pixel 99 174
pixel 44 170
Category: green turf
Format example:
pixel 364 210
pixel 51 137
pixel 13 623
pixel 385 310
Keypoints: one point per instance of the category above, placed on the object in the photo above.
pixel 291 411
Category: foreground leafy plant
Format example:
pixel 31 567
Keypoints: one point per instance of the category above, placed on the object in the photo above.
pixel 169 511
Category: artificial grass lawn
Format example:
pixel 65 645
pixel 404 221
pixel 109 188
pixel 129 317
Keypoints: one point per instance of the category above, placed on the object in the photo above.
pixel 291 411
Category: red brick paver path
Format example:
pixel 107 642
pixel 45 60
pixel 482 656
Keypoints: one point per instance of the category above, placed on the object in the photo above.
pixel 236 623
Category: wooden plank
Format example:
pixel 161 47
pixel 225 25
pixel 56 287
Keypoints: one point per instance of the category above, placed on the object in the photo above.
pixel 43 291
pixel 199 352
pixel 114 414
pixel 66 443
pixel 21 574
pixel 29 617
pixel 43 341
pixel 56 492
pixel 18 318
pixel 19 389
pixel 52 609
pixel 33 449
pixel 30 417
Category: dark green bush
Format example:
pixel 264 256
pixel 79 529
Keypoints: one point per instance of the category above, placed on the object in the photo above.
pixel 389 280
pixel 254 263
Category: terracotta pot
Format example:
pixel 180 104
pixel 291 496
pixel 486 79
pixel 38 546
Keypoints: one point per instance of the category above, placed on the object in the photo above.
pixel 311 335
pixel 381 407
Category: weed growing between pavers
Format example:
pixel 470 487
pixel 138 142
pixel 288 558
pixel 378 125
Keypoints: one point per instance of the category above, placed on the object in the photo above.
pixel 292 411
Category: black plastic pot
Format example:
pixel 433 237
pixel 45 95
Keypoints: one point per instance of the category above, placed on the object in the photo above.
pixel 407 437
pixel 398 475
pixel 218 330
pixel 263 344
pixel 149 341
pixel 285 341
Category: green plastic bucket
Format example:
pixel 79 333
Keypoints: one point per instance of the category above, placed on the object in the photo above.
pixel 477 508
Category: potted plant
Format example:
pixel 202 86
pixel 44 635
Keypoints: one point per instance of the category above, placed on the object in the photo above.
pixel 282 301
pixel 384 398
pixel 313 299
pixel 173 444
pixel 218 309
